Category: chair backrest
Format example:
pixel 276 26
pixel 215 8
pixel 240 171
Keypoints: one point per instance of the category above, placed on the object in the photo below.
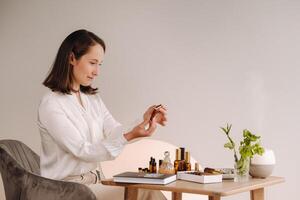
pixel 22 154
pixel 15 160
pixel 20 172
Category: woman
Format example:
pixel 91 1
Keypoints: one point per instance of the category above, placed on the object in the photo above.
pixel 77 130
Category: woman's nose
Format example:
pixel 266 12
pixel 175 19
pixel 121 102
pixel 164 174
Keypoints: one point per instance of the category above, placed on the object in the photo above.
pixel 96 71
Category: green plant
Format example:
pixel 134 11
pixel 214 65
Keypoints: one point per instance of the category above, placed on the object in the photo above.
pixel 249 146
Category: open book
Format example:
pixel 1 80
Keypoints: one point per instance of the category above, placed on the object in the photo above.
pixel 135 177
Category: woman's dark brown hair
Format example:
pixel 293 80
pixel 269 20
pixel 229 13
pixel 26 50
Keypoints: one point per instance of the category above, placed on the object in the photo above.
pixel 61 75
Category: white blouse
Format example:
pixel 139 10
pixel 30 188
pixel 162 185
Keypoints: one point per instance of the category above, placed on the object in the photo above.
pixel 76 138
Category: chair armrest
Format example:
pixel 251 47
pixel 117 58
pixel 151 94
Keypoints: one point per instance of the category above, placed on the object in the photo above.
pixel 37 187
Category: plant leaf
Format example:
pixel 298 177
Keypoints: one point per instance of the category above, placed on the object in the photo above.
pixel 225 131
pixel 229 145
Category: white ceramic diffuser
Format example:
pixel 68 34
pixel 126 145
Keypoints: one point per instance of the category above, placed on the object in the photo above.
pixel 262 166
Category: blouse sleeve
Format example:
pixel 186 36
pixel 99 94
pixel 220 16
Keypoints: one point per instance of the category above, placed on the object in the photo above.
pixel 68 137
pixel 113 131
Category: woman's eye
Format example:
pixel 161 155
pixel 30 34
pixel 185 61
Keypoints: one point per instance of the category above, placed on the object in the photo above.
pixel 93 63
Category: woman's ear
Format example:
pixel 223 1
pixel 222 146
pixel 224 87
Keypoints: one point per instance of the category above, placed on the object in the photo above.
pixel 72 59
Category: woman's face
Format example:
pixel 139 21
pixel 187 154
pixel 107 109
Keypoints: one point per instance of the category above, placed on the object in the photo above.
pixel 86 68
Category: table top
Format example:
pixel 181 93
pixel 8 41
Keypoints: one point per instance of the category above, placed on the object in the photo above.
pixel 225 188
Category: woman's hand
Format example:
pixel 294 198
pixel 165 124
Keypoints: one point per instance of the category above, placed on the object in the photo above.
pixel 152 116
pixel 156 113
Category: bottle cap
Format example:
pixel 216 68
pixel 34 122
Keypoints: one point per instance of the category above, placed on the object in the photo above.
pixel 160 162
pixel 182 153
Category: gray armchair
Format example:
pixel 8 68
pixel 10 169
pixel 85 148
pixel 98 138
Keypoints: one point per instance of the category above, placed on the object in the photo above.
pixel 20 171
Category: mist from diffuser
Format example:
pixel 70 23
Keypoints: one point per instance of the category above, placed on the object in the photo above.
pixel 262 166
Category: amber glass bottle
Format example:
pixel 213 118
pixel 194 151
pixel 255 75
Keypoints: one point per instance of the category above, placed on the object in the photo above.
pixel 177 161
pixel 188 166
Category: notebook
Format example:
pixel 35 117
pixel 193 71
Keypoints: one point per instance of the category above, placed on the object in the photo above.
pixel 147 178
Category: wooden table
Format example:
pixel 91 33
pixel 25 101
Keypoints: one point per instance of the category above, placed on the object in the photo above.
pixel 214 190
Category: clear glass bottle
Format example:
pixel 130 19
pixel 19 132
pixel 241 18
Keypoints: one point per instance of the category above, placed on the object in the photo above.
pixel 166 166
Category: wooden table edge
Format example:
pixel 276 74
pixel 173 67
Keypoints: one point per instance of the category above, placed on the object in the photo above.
pixel 209 193
pixel 254 187
pixel 150 186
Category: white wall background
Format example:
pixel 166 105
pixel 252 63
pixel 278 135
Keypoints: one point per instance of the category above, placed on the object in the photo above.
pixel 210 61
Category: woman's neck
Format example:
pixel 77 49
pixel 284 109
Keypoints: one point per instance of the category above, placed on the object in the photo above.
pixel 75 91
pixel 75 87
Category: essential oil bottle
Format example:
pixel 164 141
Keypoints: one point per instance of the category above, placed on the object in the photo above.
pixel 177 161
pixel 154 169
pixel 181 166
pixel 188 166
pixel 166 167
pixel 197 167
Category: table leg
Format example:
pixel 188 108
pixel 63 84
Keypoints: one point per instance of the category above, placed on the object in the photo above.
pixel 176 196
pixel 214 198
pixel 130 193
pixel 257 194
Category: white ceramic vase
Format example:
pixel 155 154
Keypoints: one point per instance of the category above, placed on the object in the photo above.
pixel 262 166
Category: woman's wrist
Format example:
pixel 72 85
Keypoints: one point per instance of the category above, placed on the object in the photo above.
pixel 130 136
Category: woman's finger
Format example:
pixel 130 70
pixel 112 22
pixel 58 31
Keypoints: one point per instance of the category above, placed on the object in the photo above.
pixel 163 122
pixel 164 107
pixel 152 127
pixel 151 109
pixel 162 110
pixel 148 113
pixel 145 122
